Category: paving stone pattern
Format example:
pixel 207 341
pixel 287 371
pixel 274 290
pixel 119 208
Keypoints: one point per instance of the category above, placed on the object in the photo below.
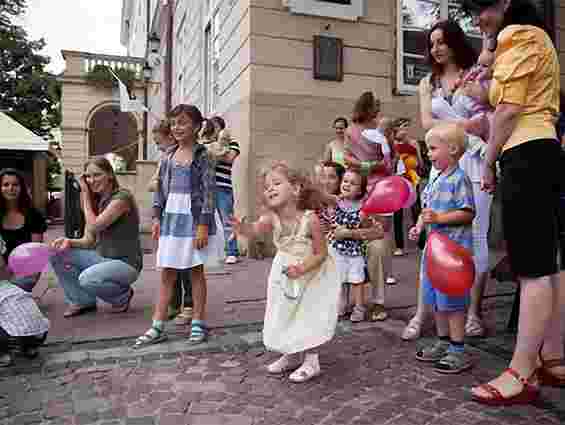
pixel 369 377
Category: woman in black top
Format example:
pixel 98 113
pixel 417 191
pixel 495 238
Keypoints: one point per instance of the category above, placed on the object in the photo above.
pixel 19 221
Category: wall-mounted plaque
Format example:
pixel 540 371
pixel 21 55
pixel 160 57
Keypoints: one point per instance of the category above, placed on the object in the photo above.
pixel 328 58
pixel 348 10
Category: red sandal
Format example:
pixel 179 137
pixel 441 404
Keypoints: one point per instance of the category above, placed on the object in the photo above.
pixel 528 395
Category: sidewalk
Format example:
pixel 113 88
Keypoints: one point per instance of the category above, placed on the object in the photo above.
pixel 370 377
pixel 236 296
pixel 88 374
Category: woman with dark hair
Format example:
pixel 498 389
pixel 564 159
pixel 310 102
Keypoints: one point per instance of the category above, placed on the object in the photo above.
pixel 525 94
pixel 19 221
pixel 442 99
pixel 106 261
pixel 335 150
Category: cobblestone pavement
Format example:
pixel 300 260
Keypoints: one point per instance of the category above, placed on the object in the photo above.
pixel 369 377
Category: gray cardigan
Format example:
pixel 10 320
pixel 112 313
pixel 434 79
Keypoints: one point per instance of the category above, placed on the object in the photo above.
pixel 203 184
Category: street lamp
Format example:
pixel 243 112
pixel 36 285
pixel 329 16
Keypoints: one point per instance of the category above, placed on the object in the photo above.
pixel 147 71
pixel 153 42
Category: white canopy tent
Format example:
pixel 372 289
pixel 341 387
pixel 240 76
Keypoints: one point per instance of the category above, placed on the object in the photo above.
pixel 15 137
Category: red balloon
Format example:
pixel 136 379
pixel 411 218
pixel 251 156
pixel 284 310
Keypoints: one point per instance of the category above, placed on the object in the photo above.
pixel 388 195
pixel 449 266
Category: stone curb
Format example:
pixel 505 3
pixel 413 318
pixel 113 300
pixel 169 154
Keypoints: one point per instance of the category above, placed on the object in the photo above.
pixel 235 339
pixel 240 338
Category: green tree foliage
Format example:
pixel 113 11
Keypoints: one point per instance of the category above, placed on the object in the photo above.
pixel 28 93
pixel 100 74
pixel 54 171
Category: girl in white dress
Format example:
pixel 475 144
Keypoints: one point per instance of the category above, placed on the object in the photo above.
pixel 303 287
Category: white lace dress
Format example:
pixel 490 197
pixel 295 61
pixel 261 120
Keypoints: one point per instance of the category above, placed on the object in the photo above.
pixel 301 313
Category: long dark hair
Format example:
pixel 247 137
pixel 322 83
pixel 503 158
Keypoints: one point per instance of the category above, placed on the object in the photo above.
pixel 24 200
pixel 464 54
pixel 519 12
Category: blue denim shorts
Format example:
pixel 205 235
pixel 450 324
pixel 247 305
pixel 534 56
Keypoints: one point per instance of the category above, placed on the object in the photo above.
pixel 440 301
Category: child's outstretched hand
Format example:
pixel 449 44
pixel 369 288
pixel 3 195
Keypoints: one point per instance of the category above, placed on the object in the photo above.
pixel 475 90
pixel 414 233
pixel 294 271
pixel 429 216
pixel 201 240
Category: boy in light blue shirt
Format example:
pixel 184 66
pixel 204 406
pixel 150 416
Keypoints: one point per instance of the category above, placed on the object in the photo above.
pixel 448 209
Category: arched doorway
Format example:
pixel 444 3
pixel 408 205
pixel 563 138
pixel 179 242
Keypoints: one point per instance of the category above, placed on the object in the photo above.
pixel 113 131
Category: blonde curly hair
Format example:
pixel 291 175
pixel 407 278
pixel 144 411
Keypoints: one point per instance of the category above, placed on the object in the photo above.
pixel 309 198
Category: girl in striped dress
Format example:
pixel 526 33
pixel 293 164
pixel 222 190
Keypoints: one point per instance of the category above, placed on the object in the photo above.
pixel 184 222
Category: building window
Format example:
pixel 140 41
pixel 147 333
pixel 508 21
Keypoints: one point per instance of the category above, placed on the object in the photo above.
pixel 211 62
pixel 208 66
pixel 350 10
pixel 415 18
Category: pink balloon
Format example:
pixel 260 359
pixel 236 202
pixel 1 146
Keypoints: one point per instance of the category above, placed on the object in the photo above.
pixel 388 195
pixel 29 258
pixel 449 265
pixel 412 197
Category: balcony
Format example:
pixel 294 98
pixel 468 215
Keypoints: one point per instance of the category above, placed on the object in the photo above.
pixel 80 63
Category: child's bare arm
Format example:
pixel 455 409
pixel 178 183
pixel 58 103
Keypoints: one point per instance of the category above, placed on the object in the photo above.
pixel 371 229
pixel 154 182
pixel 475 90
pixel 455 217
pixel 319 251
pixel 252 230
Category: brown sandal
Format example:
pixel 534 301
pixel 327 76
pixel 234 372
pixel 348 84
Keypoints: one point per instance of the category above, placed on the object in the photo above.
pixel 544 372
pixel 77 310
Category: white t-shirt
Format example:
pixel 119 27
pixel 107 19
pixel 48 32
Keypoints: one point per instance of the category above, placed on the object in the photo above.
pixel 376 136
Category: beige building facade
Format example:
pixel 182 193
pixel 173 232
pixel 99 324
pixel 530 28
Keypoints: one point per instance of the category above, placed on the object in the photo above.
pixel 252 61
pixel 93 124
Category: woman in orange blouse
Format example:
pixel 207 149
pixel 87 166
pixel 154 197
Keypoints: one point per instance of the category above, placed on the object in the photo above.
pixel 525 95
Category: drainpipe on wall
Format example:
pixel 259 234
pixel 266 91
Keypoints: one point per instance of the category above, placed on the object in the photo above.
pixel 145 90
pixel 169 59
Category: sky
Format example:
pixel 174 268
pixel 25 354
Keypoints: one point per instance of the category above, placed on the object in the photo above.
pixel 86 25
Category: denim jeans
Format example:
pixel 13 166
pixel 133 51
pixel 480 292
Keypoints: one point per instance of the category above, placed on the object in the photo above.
pixel 27 283
pixel 224 203
pixel 85 275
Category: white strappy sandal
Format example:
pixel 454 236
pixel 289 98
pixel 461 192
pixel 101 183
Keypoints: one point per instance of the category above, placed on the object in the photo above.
pixel 305 372
pixel 413 330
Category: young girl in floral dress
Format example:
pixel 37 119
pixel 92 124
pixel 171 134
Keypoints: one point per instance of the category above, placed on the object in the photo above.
pixel 303 286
